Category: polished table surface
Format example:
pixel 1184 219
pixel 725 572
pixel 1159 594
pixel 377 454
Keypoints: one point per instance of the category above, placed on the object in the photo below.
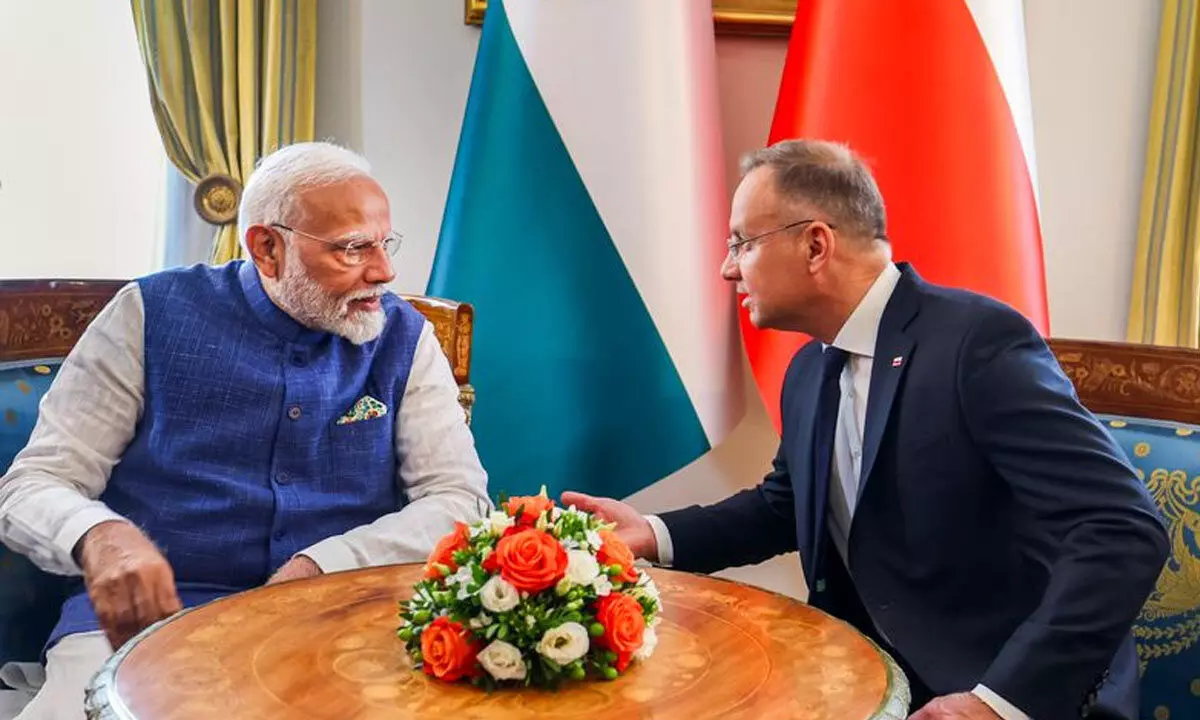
pixel 327 648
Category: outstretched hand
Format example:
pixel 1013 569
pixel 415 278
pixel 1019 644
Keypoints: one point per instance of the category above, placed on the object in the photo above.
pixel 632 527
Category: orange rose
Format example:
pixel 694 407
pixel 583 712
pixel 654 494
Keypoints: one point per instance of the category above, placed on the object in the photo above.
pixel 614 551
pixel 443 553
pixel 624 626
pixel 525 510
pixel 529 560
pixel 449 650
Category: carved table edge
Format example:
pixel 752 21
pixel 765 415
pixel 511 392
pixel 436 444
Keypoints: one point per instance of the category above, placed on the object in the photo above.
pixel 101 701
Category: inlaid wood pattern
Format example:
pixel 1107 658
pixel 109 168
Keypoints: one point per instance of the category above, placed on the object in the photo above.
pixel 326 648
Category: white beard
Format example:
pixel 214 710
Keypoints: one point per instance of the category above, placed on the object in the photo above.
pixel 312 306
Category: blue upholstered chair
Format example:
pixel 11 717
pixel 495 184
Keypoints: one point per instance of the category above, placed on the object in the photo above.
pixel 40 321
pixel 39 324
pixel 1149 398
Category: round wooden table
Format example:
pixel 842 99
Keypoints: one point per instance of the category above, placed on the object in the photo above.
pixel 327 648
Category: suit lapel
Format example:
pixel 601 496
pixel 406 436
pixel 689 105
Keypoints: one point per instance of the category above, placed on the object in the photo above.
pixel 893 354
pixel 811 506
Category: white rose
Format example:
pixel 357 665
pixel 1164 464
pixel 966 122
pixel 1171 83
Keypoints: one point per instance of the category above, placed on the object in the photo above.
pixel 582 567
pixel 593 539
pixel 564 644
pixel 602 585
pixel 502 661
pixel 649 641
pixel 498 596
pixel 499 522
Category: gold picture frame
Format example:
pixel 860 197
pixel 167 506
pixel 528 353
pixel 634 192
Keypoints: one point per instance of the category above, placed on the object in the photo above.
pixel 732 17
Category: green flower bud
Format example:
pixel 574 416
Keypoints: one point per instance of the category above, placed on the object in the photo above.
pixel 596 629
pixel 610 673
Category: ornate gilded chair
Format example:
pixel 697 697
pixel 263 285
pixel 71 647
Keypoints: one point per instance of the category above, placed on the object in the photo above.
pixel 40 321
pixel 1149 397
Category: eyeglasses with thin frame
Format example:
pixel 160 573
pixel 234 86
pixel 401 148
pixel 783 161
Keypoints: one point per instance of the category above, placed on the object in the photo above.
pixel 353 251
pixel 737 246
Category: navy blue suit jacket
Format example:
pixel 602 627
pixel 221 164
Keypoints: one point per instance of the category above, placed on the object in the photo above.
pixel 1000 535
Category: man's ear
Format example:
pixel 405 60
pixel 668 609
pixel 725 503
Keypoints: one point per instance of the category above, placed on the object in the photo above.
pixel 266 249
pixel 821 244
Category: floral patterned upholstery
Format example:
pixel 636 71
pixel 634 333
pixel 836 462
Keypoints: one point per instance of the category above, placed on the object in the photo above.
pixel 1167 458
pixel 29 598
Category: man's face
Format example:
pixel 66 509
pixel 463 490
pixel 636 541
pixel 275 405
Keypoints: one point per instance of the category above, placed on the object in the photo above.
pixel 314 284
pixel 771 273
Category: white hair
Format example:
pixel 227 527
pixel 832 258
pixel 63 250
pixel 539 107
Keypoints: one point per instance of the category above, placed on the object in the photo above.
pixel 271 191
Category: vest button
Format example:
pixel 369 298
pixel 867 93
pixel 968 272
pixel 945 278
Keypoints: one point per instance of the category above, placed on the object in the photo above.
pixel 279 534
pixel 294 412
pixel 299 360
pixel 283 478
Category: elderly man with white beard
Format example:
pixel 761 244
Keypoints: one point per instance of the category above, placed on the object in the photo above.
pixel 217 428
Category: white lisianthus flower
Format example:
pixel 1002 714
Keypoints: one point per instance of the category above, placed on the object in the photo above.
pixel 582 567
pixel 498 596
pixel 499 522
pixel 649 642
pixel 462 577
pixel 555 513
pixel 571 544
pixel 502 661
pixel 564 644
pixel 648 590
pixel 593 540
pixel 480 621
pixel 602 585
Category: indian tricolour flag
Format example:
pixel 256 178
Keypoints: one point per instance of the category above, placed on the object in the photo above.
pixel 586 223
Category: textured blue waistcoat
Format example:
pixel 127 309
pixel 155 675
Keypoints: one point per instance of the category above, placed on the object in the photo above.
pixel 238 462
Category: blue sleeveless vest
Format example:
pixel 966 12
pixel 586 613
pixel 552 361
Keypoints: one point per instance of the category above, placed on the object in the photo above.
pixel 238 461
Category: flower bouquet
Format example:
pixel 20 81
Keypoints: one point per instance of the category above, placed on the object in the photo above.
pixel 530 596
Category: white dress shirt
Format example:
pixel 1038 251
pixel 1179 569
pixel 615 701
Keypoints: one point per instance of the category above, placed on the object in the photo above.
pixel 49 497
pixel 857 337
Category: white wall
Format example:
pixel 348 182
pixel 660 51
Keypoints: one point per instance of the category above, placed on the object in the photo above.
pixel 81 164
pixel 378 91
pixel 1091 73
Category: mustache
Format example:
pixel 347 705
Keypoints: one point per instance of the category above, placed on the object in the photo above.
pixel 365 294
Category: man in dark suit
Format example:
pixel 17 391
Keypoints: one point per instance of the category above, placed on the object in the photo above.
pixel 948 494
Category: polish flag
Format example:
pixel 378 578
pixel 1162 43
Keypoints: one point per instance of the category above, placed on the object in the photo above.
pixel 934 95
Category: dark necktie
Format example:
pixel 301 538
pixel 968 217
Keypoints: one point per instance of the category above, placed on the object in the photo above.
pixel 824 429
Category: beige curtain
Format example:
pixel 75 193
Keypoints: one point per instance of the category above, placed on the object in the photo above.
pixel 230 81
pixel 1165 304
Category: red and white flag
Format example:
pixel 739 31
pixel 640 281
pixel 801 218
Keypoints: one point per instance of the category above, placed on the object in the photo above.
pixel 934 95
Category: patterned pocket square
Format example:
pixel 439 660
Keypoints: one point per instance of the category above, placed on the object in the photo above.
pixel 367 408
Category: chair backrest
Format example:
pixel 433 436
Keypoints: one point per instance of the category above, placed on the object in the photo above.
pixel 1149 398
pixel 42 319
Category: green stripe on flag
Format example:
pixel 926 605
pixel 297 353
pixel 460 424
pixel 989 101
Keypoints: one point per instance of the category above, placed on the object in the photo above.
pixel 575 387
